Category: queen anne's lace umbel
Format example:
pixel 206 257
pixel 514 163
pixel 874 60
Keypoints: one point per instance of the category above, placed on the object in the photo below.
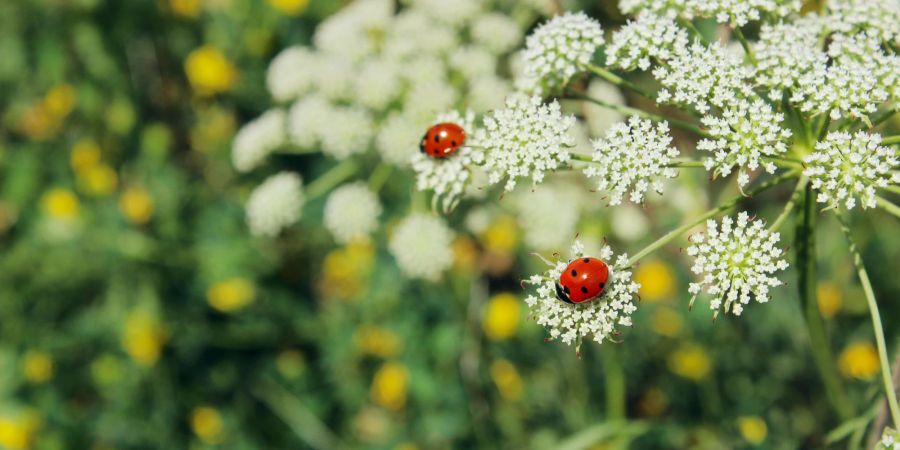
pixel 421 246
pixel 737 12
pixel 701 77
pixel 848 168
pixel 645 40
pixel 559 49
pixel 275 204
pixel 351 212
pixel 448 177
pixel 596 320
pixel 737 261
pixel 257 139
pixel 633 158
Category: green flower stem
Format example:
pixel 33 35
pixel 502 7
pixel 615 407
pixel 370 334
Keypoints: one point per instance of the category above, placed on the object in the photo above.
pixel 379 177
pixel 689 24
pixel 888 206
pixel 330 179
pixel 670 236
pixel 891 140
pixel 297 416
pixel 884 116
pixel 740 35
pixel 820 347
pixel 680 124
pixel 615 383
pixel 617 80
pixel 890 391
pixel 893 188
pixel 789 206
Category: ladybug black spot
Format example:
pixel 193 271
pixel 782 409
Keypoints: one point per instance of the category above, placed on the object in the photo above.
pixel 586 259
pixel 574 273
pixel 602 285
pixel 437 137
pixel 566 289
pixel 584 290
pixel 422 146
pixel 453 143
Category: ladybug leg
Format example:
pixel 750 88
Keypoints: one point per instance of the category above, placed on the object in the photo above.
pixel 561 294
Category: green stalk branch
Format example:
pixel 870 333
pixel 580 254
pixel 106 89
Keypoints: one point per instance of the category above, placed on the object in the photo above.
pixel 296 416
pixel 670 236
pixel 888 206
pixel 615 383
pixel 890 391
pixel 743 40
pixel 676 123
pixel 891 140
pixel 617 80
pixel 884 116
pixel 820 346
pixel 379 177
pixel 330 179
pixel 789 206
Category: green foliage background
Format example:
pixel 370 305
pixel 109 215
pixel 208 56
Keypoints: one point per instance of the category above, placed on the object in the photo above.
pixel 82 297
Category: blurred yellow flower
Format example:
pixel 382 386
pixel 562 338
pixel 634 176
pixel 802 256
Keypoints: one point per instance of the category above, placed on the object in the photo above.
pixel 290 7
pixel 346 270
pixel 290 363
pixel 60 100
pixel 18 431
pixel 653 403
pixel 390 385
pixel 690 361
pixel 60 204
pixel 214 127
pixel 667 322
pixel 186 8
pixel 137 205
pixel 206 422
pixel 143 338
pixel 99 180
pixel 37 123
pixel 502 235
pixel 465 254
pixel 657 281
pixel 859 360
pixel 230 295
pixel 209 71
pixel 501 317
pixel 753 429
pixel 507 379
pixel 830 298
pixel 377 341
pixel 37 366
pixel 106 370
pixel 85 156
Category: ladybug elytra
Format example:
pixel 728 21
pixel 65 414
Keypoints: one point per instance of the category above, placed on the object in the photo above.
pixel 584 280
pixel 441 140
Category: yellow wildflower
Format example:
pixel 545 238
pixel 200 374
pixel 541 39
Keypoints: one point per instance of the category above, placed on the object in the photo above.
pixel 657 281
pixel 137 205
pixel 377 341
pixel 346 270
pixel 106 370
pixel 85 156
pixel 185 8
pixel 230 295
pixel 206 422
pixel 753 429
pixel 501 317
pixel 214 127
pixel 17 431
pixel 465 254
pixel 390 385
pixel 690 361
pixel 502 235
pixel 143 338
pixel 507 379
pixel 37 366
pixel 667 322
pixel 99 180
pixel 290 363
pixel 60 204
pixel 60 100
pixel 290 7
pixel 209 71
pixel 830 299
pixel 37 123
pixel 859 360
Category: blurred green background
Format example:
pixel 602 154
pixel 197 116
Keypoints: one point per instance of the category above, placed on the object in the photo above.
pixel 136 312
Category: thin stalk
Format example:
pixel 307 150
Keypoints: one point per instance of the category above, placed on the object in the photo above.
pixel 333 177
pixel 820 346
pixel 677 123
pixel 890 391
pixel 297 416
pixel 884 116
pixel 617 80
pixel 615 384
pixel 379 177
pixel 891 140
pixel 789 206
pixel 670 236
pixel 888 206
pixel 743 40
pixel 892 188
pixel 693 30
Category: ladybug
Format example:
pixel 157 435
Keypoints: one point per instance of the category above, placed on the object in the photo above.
pixel 441 140
pixel 584 280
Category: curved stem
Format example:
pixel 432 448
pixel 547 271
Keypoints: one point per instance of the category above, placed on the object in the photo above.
pixel 670 236
pixel 740 35
pixel 379 177
pixel 884 116
pixel 333 177
pixel 676 123
pixel 617 80
pixel 891 140
pixel 890 391
pixel 888 206
pixel 789 206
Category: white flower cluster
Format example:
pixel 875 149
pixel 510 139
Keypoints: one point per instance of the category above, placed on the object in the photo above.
pixel 737 261
pixel 558 50
pixel 742 136
pixel 845 168
pixel 257 139
pixel 548 214
pixel 596 320
pixel 421 245
pixel 704 76
pixel 291 73
pixel 351 212
pixel 737 12
pixel 525 139
pixel 889 440
pixel 786 52
pixel 448 177
pixel 881 17
pixel 641 41
pixel 275 204
pixel 633 158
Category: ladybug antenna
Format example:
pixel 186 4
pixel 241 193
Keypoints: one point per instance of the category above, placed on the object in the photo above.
pixel 522 284
pixel 541 258
pixel 605 241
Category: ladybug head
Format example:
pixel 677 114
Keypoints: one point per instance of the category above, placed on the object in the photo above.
pixel 562 294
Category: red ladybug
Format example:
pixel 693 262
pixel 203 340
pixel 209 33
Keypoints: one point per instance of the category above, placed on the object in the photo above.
pixel 583 280
pixel 441 140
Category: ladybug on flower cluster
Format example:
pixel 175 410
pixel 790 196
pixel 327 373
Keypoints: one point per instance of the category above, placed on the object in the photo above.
pixel 442 140
pixel 583 281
